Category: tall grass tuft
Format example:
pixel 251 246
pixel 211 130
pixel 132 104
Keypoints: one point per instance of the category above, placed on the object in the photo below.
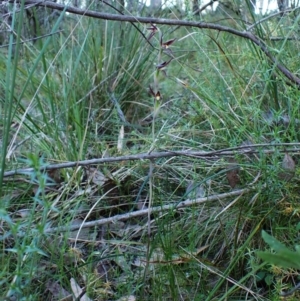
pixel 96 89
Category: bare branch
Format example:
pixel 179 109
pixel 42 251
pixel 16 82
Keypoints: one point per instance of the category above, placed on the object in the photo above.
pixel 269 17
pixel 126 216
pixel 244 34
pixel 247 149
pixel 204 7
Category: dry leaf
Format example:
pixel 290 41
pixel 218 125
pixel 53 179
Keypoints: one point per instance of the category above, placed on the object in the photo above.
pixel 233 173
pixel 288 168
pixel 121 261
pixel 284 119
pixel 58 291
pixel 95 176
pixel 54 174
pixel 102 269
pixel 77 291
pixel 23 213
pixel 195 190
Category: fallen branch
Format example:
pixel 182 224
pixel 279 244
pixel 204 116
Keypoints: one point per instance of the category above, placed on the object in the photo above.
pixel 126 216
pixel 125 18
pixel 242 150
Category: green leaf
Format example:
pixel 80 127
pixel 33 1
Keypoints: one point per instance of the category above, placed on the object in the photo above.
pixel 260 276
pixel 274 243
pixel 284 259
pixel 269 279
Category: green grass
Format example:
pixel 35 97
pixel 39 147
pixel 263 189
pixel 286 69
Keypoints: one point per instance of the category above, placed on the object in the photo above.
pixel 69 96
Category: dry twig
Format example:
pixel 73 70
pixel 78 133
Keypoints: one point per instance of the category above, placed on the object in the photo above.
pixel 126 216
pixel 125 18
pixel 165 154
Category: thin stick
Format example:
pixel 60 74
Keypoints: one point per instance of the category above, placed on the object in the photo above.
pixel 243 150
pixel 126 216
pixel 125 18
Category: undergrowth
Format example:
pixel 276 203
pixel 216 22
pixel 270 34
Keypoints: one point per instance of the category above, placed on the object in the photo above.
pixel 101 89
